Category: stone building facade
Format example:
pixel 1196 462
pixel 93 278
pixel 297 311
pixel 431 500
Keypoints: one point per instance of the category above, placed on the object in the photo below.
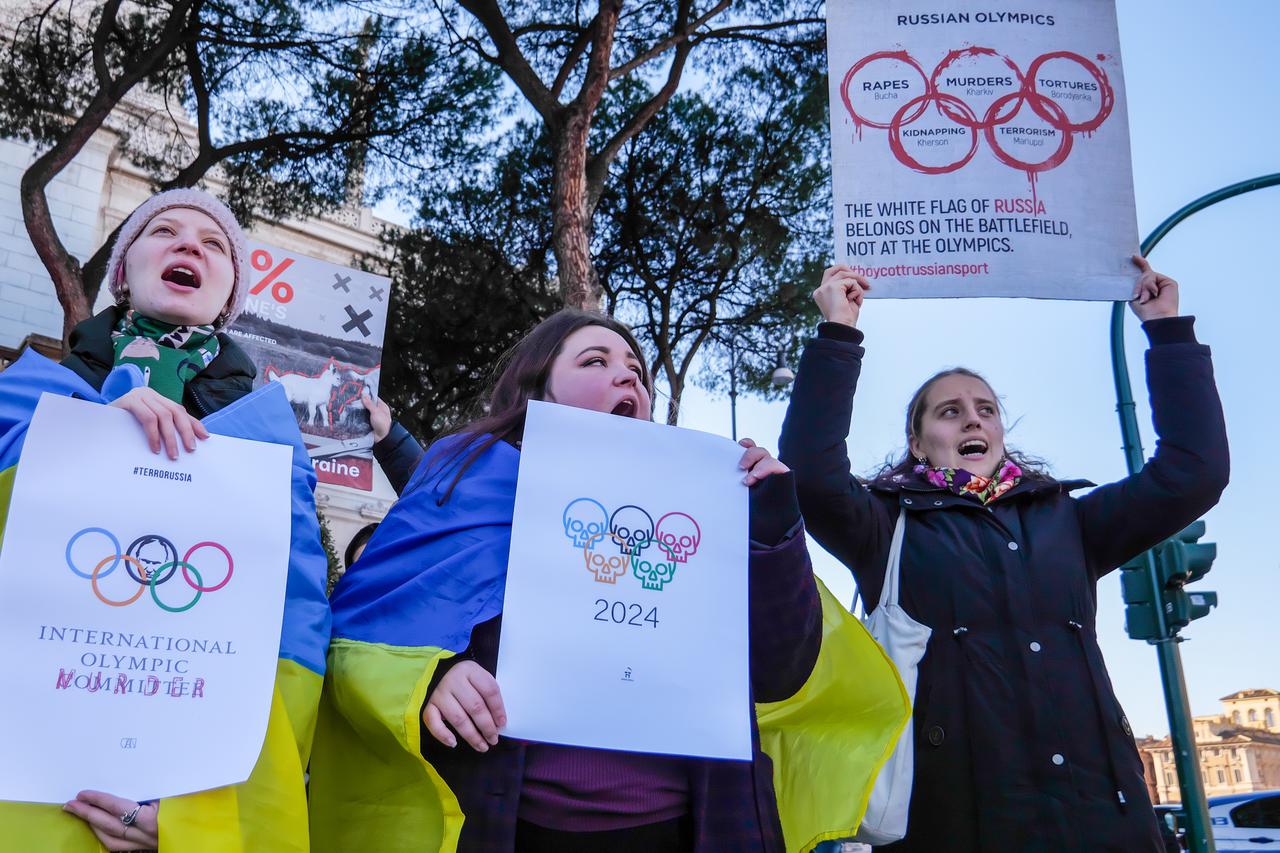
pixel 1239 749
pixel 89 199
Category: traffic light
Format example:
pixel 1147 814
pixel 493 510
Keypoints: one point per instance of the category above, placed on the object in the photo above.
pixel 1179 560
pixel 1183 559
pixel 1140 617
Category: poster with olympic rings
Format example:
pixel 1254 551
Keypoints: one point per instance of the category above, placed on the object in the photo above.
pixel 626 588
pixel 141 603
pixel 981 149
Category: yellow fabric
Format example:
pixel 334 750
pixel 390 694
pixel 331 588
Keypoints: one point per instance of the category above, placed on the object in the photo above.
pixel 370 787
pixel 268 812
pixel 372 790
pixel 6 494
pixel 829 741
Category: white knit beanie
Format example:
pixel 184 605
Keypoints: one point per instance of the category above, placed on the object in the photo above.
pixel 197 200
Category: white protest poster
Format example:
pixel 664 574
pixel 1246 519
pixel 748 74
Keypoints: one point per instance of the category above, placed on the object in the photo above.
pixel 317 328
pixel 141 601
pixel 981 149
pixel 625 619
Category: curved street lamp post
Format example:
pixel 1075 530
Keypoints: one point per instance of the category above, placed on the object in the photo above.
pixel 1177 705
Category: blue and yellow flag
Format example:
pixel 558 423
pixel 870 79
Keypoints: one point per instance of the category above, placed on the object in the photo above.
pixel 431 573
pixel 268 812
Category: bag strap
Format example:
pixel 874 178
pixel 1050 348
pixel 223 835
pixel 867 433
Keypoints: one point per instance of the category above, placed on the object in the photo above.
pixel 889 592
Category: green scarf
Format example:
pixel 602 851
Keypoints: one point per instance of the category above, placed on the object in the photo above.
pixel 169 356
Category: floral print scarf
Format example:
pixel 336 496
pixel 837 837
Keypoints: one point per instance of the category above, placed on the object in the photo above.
pixel 960 481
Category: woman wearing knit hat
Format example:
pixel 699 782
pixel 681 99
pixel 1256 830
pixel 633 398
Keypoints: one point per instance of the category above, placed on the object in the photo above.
pixel 178 275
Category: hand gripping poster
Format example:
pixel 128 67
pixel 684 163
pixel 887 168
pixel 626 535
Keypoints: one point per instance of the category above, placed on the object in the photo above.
pixel 624 623
pixel 981 149
pixel 317 329
pixel 141 603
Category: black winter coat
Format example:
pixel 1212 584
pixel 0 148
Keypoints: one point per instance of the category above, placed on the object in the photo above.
pixel 227 378
pixel 1020 742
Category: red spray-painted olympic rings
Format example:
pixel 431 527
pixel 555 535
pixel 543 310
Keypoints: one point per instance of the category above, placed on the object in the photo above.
pixel 1106 95
pixel 992 116
pixel 1053 161
pixel 900 151
pixel 901 56
pixel 1001 111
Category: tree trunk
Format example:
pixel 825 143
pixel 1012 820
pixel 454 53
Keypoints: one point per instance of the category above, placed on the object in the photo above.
pixel 673 402
pixel 571 218
pixel 63 269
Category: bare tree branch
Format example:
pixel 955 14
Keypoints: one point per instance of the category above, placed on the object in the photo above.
pixel 65 270
pixel 511 59
pixel 681 34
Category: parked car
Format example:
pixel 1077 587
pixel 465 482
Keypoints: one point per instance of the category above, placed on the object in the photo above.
pixel 1246 822
pixel 1172 831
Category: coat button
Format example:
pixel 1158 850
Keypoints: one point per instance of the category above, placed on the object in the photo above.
pixel 906 501
pixel 1124 724
pixel 937 503
pixel 936 735
pixel 1035 647
pixel 1013 546
pixel 1058 759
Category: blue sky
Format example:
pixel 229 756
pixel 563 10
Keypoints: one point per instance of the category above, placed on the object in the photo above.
pixel 1203 89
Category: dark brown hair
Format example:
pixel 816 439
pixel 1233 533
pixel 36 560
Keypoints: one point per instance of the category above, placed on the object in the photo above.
pixel 521 376
pixel 1031 466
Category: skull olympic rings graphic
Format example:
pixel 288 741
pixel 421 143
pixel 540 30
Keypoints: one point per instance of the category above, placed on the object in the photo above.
pixel 150 561
pixel 1023 90
pixel 652 551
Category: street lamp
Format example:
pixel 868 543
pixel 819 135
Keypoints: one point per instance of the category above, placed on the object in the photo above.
pixel 781 377
pixel 1177 705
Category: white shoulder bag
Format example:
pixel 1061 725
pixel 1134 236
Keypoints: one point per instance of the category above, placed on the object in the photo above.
pixel 903 640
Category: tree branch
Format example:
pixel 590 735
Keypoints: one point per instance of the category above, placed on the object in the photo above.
pixel 64 270
pixel 106 26
pixel 566 69
pixel 602 30
pixel 511 60
pixel 598 165
pixel 681 35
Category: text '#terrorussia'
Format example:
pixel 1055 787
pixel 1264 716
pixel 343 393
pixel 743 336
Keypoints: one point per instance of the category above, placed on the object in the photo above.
pixel 161 474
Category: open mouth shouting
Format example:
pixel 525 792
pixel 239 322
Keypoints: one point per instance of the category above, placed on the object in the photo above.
pixel 973 449
pixel 626 408
pixel 182 276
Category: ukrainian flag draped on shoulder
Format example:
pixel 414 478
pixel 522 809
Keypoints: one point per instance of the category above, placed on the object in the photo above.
pixel 433 570
pixel 268 811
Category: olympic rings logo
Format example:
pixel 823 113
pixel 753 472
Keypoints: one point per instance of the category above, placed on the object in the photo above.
pixel 150 561
pixel 1002 110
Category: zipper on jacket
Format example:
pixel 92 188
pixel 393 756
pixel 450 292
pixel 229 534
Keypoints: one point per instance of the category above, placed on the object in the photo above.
pixel 200 404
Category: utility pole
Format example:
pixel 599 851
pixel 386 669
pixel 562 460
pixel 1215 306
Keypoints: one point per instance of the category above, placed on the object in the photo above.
pixel 1157 607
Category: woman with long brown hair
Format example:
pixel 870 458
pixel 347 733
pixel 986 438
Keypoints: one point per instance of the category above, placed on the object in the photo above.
pixel 417 621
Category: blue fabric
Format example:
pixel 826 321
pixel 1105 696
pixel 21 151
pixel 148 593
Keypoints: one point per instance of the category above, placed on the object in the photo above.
pixel 432 571
pixel 21 385
pixel 263 415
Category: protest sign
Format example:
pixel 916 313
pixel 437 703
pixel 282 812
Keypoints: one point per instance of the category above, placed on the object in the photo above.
pixel 141 602
pixel 626 594
pixel 317 328
pixel 981 151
